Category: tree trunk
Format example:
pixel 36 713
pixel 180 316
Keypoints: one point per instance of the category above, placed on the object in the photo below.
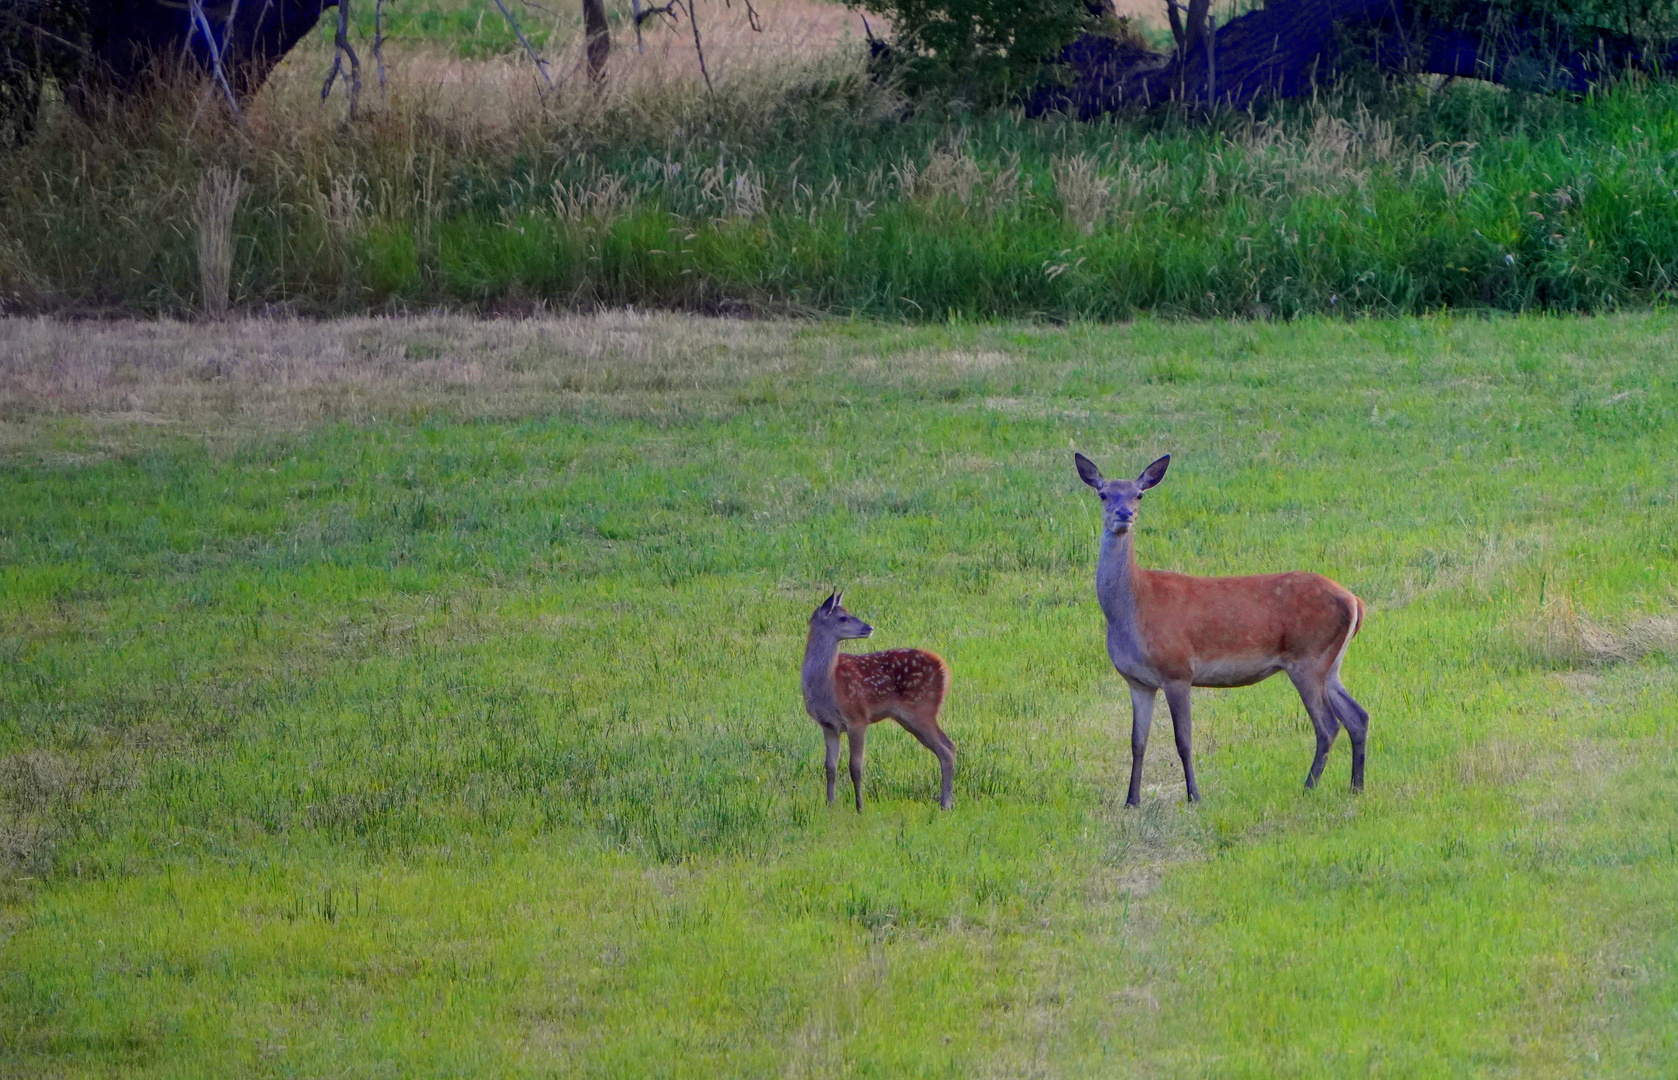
pixel 133 43
pixel 598 36
pixel 1290 47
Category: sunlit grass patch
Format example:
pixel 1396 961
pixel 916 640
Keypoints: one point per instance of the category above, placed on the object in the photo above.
pixel 419 696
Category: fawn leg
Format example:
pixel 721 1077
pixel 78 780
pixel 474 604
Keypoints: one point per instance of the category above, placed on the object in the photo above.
pixel 1177 697
pixel 1141 719
pixel 1311 692
pixel 832 738
pixel 933 738
pixel 859 749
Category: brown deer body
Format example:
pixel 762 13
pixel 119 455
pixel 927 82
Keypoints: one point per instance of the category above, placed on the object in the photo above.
pixel 1170 632
pixel 845 694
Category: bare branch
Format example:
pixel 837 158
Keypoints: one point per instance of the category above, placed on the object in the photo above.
pixel 668 11
pixel 379 40
pixel 331 76
pixel 698 47
pixel 342 41
pixel 1211 62
pixel 341 49
pixel 202 25
pixel 1176 22
pixel 753 20
pixel 535 58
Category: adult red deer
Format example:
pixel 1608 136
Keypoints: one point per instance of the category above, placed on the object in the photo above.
pixel 845 693
pixel 1169 632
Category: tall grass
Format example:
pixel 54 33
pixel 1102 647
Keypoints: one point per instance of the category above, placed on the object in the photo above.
pixel 799 185
pixel 214 205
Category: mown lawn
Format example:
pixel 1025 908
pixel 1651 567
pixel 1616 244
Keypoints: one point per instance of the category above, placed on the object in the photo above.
pixel 409 698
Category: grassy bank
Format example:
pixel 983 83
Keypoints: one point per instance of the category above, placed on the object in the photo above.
pixel 419 698
pixel 799 186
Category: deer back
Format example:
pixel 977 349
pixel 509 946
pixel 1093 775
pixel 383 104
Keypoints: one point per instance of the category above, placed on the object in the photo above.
pixel 1188 622
pixel 871 686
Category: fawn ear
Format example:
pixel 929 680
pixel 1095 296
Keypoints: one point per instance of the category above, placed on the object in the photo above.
pixel 828 604
pixel 1153 474
pixel 839 598
pixel 1087 470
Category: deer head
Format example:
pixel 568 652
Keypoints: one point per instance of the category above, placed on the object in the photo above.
pixel 1120 499
pixel 832 617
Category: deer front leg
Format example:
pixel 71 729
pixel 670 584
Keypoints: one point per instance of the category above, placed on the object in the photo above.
pixel 859 750
pixel 1177 697
pixel 832 738
pixel 1141 719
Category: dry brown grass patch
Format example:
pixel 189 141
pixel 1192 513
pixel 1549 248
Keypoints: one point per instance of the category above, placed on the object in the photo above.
pixel 1561 634
pixel 1497 763
pixel 503 94
pixel 288 372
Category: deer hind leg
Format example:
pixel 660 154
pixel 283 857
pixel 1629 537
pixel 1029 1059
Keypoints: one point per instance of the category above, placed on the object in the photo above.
pixel 1141 719
pixel 932 737
pixel 1177 698
pixel 832 738
pixel 1313 691
pixel 858 734
pixel 1355 719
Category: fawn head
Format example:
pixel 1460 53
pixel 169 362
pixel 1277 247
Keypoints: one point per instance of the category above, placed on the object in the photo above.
pixel 1120 498
pixel 831 616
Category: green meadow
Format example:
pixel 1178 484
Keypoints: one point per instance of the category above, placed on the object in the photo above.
pixel 419 697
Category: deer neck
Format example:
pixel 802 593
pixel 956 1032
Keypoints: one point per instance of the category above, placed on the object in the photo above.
pixel 1116 580
pixel 821 697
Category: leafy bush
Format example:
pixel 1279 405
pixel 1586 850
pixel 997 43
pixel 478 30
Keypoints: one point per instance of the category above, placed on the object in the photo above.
pixel 1649 20
pixel 38 42
pixel 984 49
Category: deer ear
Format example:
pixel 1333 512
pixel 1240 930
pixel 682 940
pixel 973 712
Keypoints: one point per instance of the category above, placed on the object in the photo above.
pixel 1087 470
pixel 839 598
pixel 827 605
pixel 1153 474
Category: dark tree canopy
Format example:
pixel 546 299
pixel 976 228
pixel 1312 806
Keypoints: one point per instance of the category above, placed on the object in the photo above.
pixel 1289 47
pixel 97 48
pixel 129 41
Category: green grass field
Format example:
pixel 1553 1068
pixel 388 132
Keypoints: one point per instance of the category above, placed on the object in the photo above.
pixel 413 698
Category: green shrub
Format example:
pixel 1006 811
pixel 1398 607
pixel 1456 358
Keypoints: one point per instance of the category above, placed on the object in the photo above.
pixel 39 41
pixel 987 50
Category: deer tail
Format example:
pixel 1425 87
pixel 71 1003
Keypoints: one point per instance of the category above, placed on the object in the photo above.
pixel 943 675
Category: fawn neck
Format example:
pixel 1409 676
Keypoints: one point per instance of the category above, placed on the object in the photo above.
pixel 821 657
